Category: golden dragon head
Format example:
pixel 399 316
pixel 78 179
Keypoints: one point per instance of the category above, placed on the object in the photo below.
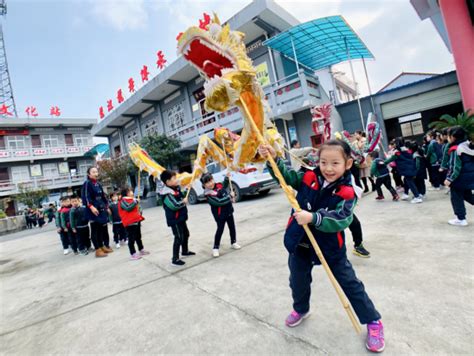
pixel 220 56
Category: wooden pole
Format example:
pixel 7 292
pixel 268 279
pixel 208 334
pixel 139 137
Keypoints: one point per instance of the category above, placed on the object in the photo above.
pixel 138 185
pixel 227 164
pixel 296 207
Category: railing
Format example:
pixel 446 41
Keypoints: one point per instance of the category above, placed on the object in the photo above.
pixel 42 152
pixel 285 95
pixel 9 187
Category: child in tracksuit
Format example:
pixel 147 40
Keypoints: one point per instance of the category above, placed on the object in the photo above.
pixel 130 214
pixel 434 157
pixel 460 178
pixel 176 213
pixel 328 199
pixel 380 171
pixel 222 210
pixel 420 162
pixel 65 223
pixel 79 225
pixel 64 201
pixel 118 229
pixel 406 166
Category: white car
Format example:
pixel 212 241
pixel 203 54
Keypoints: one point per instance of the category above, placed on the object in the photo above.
pixel 246 181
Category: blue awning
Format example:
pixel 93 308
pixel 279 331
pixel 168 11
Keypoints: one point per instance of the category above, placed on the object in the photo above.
pixel 320 43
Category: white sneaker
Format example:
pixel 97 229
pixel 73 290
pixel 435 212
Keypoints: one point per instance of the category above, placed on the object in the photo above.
pixel 117 245
pixel 66 251
pixel 235 246
pixel 416 200
pixel 457 222
pixel 405 197
pixel 215 252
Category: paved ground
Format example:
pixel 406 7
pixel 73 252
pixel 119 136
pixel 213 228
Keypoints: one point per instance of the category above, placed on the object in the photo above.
pixel 420 277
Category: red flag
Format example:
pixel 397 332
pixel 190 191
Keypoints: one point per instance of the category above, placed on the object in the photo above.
pixel 120 98
pixel 4 110
pixel 54 111
pixel 131 85
pixel 110 106
pixel 205 22
pixel 144 73
pixel 28 111
pixel 101 112
pixel 160 63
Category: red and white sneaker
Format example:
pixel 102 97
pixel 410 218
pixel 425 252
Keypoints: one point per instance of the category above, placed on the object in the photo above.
pixel 295 318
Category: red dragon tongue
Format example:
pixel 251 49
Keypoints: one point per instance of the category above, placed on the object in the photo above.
pixel 212 68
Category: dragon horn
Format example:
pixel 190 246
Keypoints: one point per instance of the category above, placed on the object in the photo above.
pixel 216 19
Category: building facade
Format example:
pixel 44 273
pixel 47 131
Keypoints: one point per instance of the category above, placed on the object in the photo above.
pixel 172 102
pixel 407 110
pixel 47 153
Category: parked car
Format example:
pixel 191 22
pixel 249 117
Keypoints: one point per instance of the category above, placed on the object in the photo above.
pixel 246 181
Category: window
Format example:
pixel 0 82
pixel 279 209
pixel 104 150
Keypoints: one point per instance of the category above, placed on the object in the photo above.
pixel 20 174
pixel 132 136
pixel 50 170
pixel 50 140
pixel 175 116
pixel 151 127
pixel 83 166
pixel 412 128
pixel 82 140
pixel 16 142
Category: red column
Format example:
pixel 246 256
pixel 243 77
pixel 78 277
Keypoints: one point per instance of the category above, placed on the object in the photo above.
pixel 461 36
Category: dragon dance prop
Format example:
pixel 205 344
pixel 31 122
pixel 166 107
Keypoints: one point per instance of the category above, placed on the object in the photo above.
pixel 220 56
pixel 321 121
pixel 374 135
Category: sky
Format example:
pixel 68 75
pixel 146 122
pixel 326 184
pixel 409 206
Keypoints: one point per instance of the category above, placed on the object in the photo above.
pixel 75 54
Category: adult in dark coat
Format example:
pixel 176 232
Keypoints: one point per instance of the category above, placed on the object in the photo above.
pixel 95 200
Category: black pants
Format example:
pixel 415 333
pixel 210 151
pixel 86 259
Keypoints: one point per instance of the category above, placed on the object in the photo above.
pixel 366 186
pixel 220 230
pixel 64 239
pixel 181 237
pixel 134 235
pixel 356 174
pixel 434 175
pixel 76 241
pixel 99 235
pixel 356 230
pixel 397 177
pixel 457 201
pixel 301 264
pixel 119 232
pixel 387 182
pixel 420 185
pixel 410 185
pixel 83 232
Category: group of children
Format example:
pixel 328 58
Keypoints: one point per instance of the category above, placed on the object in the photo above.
pixel 72 222
pixel 448 156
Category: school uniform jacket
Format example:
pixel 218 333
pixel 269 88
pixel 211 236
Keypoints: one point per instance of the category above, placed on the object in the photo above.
pixel 78 217
pixel 461 166
pixel 332 207
pixel 93 194
pixel 220 201
pixel 406 165
pixel 129 211
pixel 175 209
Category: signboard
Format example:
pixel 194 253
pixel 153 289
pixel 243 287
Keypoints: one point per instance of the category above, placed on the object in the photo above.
pixel 73 149
pixel 63 168
pixel 36 170
pixel 263 76
pixel 409 118
pixel 4 154
pixel 39 151
pixel 22 153
pixel 57 150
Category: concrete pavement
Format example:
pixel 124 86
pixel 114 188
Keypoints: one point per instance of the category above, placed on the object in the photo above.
pixel 420 277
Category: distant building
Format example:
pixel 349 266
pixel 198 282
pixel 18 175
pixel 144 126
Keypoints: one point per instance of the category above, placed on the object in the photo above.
pixel 405 78
pixel 406 110
pixel 45 153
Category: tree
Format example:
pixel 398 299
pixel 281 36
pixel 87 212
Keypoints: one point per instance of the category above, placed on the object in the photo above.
pixel 115 171
pixel 465 120
pixel 31 197
pixel 163 149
